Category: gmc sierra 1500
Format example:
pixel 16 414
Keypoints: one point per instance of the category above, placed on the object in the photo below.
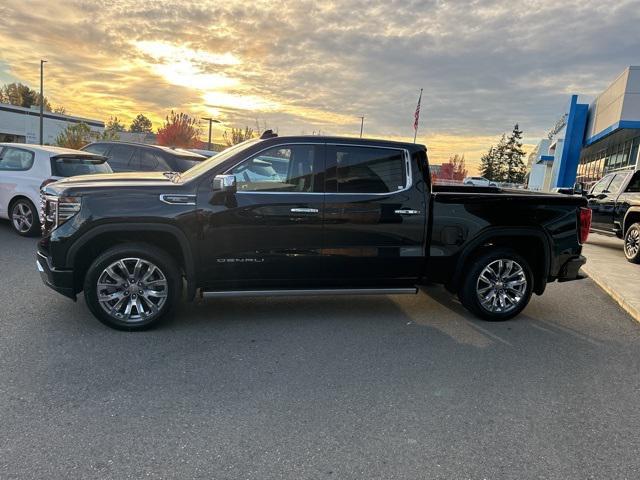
pixel 302 215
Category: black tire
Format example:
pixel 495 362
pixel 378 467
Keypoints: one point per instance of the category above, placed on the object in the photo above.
pixel 24 217
pixel 632 243
pixel 167 278
pixel 471 285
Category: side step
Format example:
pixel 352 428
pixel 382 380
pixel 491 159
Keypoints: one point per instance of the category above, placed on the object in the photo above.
pixel 307 292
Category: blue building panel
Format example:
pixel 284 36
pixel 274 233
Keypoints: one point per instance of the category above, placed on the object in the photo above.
pixel 565 174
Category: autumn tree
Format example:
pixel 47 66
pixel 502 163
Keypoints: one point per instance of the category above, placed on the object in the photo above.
pixel 237 135
pixel 179 130
pixel 454 169
pixel 141 124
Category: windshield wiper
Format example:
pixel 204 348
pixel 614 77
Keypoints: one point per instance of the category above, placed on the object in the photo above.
pixel 173 176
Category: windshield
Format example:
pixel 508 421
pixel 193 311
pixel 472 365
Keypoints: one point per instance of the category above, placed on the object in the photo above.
pixel 72 166
pixel 208 164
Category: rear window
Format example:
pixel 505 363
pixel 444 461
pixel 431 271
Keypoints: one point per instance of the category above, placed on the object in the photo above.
pixel 72 166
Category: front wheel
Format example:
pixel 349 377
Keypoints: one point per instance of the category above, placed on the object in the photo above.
pixel 632 243
pixel 132 286
pixel 497 286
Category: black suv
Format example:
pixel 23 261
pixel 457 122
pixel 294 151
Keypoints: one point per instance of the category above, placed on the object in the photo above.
pixel 302 216
pixel 140 157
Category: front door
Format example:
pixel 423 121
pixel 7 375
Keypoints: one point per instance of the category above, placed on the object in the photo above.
pixel 602 201
pixel 374 217
pixel 268 233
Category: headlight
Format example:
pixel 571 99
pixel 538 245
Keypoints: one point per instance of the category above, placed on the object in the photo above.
pixel 57 210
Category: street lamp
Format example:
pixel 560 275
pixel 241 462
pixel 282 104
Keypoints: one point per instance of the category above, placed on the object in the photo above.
pixel 211 121
pixel 361 125
pixel 42 62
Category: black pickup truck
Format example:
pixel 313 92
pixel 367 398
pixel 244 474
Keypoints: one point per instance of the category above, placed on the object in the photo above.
pixel 615 203
pixel 302 216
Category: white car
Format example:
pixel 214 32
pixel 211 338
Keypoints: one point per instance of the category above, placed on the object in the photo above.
pixel 25 168
pixel 479 182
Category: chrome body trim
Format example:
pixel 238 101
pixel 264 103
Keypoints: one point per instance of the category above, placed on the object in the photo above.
pixel 190 198
pixel 309 292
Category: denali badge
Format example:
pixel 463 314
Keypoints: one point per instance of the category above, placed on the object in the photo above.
pixel 240 260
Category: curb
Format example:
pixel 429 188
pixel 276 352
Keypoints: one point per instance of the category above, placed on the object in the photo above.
pixel 619 299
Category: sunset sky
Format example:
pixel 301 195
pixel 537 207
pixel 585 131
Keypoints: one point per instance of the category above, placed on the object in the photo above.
pixel 309 66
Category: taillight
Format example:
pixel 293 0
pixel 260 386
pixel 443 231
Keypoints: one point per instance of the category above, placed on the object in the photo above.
pixel 584 223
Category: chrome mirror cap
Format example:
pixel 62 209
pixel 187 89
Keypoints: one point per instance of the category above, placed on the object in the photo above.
pixel 224 183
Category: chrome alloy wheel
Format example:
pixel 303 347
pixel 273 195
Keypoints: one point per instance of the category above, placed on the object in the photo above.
pixel 22 217
pixel 132 289
pixel 501 286
pixel 632 242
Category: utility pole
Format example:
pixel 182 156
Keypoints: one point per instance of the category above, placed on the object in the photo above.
pixel 42 62
pixel 361 125
pixel 211 121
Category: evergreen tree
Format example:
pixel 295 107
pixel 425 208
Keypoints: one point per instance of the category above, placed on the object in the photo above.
pixel 488 164
pixel 141 124
pixel 513 157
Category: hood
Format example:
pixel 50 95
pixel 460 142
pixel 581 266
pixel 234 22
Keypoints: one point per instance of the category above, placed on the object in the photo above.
pixel 107 180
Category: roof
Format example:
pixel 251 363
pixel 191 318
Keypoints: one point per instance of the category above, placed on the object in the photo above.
pixel 51 149
pixel 178 151
pixel 352 140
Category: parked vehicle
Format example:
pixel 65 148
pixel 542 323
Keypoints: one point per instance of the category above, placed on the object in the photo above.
pixel 24 168
pixel 615 203
pixel 479 182
pixel 346 216
pixel 140 157
pixel 203 152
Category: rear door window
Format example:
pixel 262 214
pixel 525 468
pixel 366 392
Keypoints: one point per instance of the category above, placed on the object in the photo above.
pixel 70 167
pixel 120 158
pixel 150 161
pixel 634 184
pixel 354 169
pixel 16 159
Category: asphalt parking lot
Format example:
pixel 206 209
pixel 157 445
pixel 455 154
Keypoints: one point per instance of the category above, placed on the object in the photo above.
pixel 348 388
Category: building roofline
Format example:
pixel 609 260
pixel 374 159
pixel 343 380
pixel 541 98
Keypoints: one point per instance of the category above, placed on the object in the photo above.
pixel 6 107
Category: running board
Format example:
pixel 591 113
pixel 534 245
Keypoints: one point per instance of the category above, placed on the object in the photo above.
pixel 307 292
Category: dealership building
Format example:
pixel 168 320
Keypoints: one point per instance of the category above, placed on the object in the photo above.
pixel 590 141
pixel 22 125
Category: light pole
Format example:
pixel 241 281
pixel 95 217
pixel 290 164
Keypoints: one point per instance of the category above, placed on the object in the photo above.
pixel 361 125
pixel 211 121
pixel 42 62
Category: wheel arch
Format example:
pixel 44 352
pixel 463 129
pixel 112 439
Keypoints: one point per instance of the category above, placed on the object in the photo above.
pixel 631 216
pixel 531 243
pixel 167 237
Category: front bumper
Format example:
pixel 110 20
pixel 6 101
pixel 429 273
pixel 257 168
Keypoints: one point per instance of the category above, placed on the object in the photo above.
pixel 59 280
pixel 571 269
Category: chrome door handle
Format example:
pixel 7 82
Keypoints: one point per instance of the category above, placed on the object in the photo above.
pixel 304 210
pixel 406 211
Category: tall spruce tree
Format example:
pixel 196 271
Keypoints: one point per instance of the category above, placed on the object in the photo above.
pixel 513 157
pixel 488 164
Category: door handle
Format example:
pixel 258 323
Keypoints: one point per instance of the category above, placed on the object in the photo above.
pixel 304 210
pixel 407 211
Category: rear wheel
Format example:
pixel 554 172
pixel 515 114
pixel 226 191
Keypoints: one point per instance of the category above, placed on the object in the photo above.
pixel 497 286
pixel 132 286
pixel 24 218
pixel 632 243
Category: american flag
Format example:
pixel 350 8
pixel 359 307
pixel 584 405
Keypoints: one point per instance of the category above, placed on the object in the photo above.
pixel 417 114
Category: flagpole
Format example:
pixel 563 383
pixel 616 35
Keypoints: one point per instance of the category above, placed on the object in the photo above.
pixel 415 133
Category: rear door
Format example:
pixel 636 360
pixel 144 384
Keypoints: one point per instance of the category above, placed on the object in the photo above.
pixel 374 229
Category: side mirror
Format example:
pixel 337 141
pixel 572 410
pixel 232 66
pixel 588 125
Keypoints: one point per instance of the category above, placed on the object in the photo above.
pixel 578 189
pixel 225 183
